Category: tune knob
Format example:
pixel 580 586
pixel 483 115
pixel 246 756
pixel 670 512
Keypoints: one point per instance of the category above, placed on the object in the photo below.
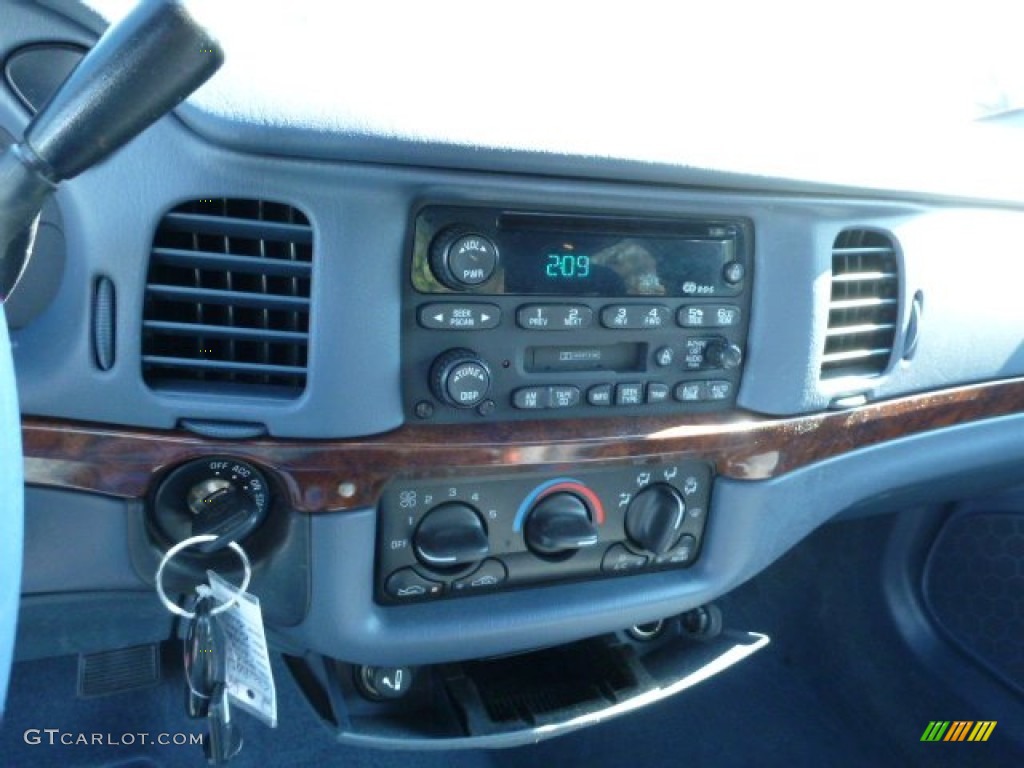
pixel 461 258
pixel 460 378
pixel 560 524
pixel 654 518
pixel 450 536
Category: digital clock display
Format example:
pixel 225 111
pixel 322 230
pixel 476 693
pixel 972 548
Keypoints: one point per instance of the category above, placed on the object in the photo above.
pixel 547 254
pixel 539 263
pixel 567 265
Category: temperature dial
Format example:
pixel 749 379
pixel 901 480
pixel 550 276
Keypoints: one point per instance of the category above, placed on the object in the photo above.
pixel 560 524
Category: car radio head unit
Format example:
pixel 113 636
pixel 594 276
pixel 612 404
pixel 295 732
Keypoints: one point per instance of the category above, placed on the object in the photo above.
pixel 519 314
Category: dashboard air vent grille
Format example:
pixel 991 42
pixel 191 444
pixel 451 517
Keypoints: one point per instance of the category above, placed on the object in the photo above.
pixel 227 298
pixel 864 307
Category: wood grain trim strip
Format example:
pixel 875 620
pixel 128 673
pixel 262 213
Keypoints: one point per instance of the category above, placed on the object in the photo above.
pixel 125 462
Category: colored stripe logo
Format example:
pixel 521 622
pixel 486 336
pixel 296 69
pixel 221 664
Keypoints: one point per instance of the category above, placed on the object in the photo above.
pixel 958 730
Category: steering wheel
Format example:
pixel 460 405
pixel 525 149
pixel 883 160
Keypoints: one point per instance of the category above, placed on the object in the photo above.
pixel 12 499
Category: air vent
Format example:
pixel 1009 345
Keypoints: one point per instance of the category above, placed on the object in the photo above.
pixel 864 307
pixel 227 299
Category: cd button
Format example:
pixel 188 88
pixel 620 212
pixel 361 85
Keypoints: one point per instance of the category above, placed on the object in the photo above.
pixel 554 317
pixel 563 397
pixel 600 395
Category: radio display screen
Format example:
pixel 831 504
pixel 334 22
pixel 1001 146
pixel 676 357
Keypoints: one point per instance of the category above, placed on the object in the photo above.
pixel 553 263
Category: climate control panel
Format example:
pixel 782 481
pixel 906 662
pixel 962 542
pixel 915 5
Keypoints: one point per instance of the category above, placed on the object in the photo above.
pixel 451 537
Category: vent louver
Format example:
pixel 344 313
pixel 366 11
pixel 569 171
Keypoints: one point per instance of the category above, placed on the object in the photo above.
pixel 227 299
pixel 864 307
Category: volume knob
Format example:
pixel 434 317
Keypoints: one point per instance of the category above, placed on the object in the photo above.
pixel 461 258
pixel 460 378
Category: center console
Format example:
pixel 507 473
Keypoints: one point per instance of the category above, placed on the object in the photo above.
pixel 516 314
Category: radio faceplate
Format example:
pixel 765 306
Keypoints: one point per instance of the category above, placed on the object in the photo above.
pixel 524 315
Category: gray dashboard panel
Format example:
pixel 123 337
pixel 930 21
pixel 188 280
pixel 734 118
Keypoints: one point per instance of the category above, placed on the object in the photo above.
pixel 361 215
pixel 751 524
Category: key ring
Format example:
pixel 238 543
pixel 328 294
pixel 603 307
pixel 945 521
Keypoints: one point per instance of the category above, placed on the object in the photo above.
pixel 234 546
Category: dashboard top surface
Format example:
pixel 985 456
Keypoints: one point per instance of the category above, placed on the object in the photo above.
pixel 667 96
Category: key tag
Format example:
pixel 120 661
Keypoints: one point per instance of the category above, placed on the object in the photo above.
pixel 250 680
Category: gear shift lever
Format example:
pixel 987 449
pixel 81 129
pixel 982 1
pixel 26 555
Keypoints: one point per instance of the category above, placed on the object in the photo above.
pixel 139 70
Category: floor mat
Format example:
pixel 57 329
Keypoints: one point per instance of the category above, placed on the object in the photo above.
pixel 974 588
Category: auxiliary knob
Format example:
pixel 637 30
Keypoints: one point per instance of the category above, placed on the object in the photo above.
pixel 460 378
pixel 559 524
pixel 461 258
pixel 722 354
pixel 654 518
pixel 450 536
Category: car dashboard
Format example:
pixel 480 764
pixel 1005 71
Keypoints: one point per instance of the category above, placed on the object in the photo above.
pixel 481 393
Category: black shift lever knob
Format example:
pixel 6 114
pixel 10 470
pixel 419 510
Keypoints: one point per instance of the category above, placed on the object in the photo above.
pixel 143 67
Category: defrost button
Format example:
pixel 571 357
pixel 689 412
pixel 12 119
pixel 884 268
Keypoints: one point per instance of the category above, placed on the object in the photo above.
pixel 491 573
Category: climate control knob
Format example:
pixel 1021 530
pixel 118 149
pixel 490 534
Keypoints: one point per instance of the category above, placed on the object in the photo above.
pixel 450 536
pixel 459 378
pixel 560 524
pixel 655 517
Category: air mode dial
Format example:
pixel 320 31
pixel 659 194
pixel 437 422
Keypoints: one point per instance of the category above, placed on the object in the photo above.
pixel 655 517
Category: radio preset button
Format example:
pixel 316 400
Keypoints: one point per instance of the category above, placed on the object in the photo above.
pixel 459 317
pixel 554 317
pixel 657 393
pixel 709 316
pixel 629 394
pixel 634 316
pixel 600 394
